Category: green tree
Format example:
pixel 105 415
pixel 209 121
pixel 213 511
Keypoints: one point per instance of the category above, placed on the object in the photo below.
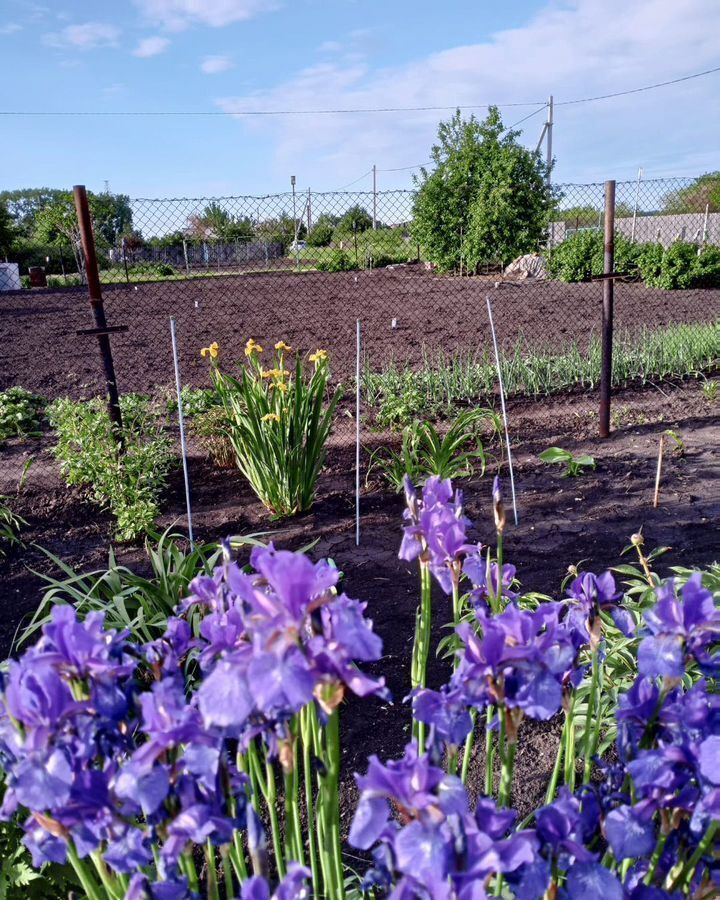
pixel 321 234
pixel 280 230
pixel 487 197
pixel 8 231
pixel 216 223
pixel 24 204
pixel 704 191
pixel 56 224
pixel 112 217
pixel 356 219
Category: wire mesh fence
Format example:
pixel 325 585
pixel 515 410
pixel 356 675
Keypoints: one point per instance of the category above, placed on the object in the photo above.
pixel 306 267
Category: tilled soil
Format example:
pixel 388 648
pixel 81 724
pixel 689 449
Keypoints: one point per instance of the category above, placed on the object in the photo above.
pixel 403 312
pixel 561 521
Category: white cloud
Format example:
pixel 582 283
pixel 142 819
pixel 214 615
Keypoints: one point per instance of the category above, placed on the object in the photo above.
pixel 10 28
pixel 178 14
pixel 151 46
pixel 579 48
pixel 213 65
pixel 84 37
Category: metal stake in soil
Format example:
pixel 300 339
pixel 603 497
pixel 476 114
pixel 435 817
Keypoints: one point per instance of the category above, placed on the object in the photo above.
pixel 181 418
pixel 607 310
pixel 502 405
pixel 357 436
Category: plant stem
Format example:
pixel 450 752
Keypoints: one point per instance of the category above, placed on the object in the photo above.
pixel 557 768
pixel 187 866
pixel 212 884
pixel 489 751
pixel 467 752
pixel 688 870
pixel 500 570
pixel 422 639
pixel 89 885
pixel 112 886
pixel 589 723
pixel 569 733
pixel 306 737
pixel 507 758
pixel 225 854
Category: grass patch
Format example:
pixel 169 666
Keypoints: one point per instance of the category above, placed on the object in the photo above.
pixel 444 382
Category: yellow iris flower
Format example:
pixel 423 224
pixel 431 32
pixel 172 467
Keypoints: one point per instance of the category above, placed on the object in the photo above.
pixel 213 351
pixel 318 356
pixel 283 347
pixel 252 347
pixel 271 417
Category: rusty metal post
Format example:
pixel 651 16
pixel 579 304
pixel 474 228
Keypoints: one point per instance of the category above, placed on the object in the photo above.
pixel 96 302
pixel 607 310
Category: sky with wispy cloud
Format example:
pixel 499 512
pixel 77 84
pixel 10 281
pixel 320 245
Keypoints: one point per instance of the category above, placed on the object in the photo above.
pixel 236 56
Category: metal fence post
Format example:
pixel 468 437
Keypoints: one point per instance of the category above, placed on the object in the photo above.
pixel 607 310
pixel 93 282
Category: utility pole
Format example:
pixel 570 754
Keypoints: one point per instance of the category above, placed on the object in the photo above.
pixel 607 310
pixel 296 224
pixel 549 137
pixel 635 207
pixel 374 197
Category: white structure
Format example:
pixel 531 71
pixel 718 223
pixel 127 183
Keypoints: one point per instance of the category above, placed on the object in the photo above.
pixel 9 277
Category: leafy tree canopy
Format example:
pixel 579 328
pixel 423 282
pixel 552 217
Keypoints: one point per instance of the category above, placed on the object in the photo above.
pixel 8 231
pixel 704 191
pixel 486 199
pixel 356 219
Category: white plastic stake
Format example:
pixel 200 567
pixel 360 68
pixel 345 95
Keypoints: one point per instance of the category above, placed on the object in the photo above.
pixel 357 437
pixel 183 443
pixel 502 404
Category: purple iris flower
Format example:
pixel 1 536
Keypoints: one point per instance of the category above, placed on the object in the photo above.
pixel 446 711
pixel 436 529
pixel 476 569
pixel 292 887
pixel 438 847
pixel 522 660
pixel 681 629
pixel 630 831
pixel 592 594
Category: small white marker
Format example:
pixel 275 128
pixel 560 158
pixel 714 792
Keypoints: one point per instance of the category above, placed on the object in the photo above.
pixel 393 324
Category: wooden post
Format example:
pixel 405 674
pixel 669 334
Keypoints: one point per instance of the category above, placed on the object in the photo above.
pixel 96 302
pixel 607 310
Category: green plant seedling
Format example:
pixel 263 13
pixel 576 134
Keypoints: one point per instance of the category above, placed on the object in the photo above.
pixel 575 465
pixel 711 390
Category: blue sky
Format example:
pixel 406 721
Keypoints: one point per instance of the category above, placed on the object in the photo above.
pixel 230 55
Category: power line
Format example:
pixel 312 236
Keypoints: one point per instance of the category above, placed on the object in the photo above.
pixel 647 87
pixel 351 183
pixel 525 118
pixel 257 112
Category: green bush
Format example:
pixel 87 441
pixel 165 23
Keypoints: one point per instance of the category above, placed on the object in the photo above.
pixel 337 261
pixel 10 525
pixel 21 413
pixel 582 256
pixel 680 267
pixel 127 483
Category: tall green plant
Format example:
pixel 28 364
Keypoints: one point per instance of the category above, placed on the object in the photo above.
pixel 278 422
pixel 425 452
pixel 129 480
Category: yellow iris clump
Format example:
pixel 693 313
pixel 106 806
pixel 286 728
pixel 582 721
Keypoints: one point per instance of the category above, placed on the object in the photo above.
pixel 213 351
pixel 318 356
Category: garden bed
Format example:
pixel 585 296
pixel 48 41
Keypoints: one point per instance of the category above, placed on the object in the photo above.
pixel 562 521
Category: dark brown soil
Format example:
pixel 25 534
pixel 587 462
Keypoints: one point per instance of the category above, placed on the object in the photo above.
pixel 561 521
pixel 39 347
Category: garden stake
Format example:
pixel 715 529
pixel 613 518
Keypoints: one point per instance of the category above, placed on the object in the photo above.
pixel 357 436
pixel 183 443
pixel 656 498
pixel 502 404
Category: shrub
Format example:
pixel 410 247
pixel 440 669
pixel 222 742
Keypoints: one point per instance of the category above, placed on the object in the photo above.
pixel 278 422
pixel 21 413
pixel 129 482
pixel 336 261
pixel 680 266
pixel 321 233
pixel 582 256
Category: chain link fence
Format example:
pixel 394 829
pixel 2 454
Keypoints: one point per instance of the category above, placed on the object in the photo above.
pixel 306 267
